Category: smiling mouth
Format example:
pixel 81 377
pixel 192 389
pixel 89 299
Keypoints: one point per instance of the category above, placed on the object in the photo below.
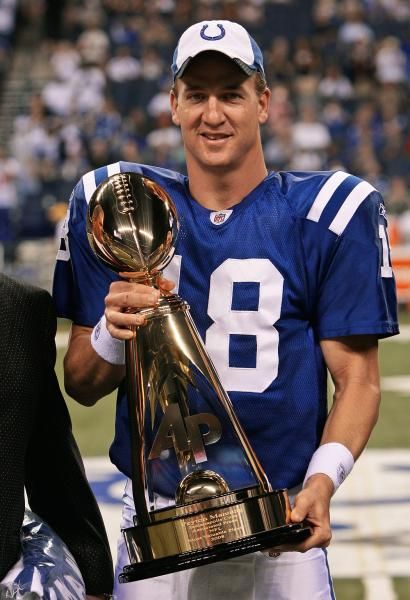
pixel 215 137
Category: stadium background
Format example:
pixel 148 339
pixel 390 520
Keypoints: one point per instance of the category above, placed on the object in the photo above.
pixel 85 83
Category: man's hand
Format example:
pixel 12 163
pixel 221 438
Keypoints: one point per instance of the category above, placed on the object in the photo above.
pixel 311 505
pixel 124 299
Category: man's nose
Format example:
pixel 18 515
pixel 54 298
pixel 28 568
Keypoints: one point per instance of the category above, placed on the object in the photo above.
pixel 213 111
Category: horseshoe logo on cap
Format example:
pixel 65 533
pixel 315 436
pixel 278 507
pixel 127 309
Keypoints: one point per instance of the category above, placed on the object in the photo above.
pixel 213 38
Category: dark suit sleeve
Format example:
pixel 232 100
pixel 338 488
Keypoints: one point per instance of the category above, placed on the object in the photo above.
pixel 16 413
pixel 55 481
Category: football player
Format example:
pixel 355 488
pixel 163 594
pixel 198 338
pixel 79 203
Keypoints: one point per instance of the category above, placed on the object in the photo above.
pixel 287 274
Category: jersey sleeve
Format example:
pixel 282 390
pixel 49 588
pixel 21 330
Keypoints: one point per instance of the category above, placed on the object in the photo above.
pixel 347 253
pixel 81 281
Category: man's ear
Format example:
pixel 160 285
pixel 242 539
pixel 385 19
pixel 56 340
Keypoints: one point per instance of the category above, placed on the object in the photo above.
pixel 264 102
pixel 174 106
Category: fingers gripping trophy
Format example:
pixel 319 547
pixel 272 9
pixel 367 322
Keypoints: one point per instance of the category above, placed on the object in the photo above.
pixel 187 443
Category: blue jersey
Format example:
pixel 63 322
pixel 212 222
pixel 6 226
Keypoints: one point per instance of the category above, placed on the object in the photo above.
pixel 303 257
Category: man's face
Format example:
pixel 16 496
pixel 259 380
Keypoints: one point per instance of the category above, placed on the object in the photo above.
pixel 219 112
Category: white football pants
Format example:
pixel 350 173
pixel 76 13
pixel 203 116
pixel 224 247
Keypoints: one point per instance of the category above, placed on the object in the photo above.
pixel 291 576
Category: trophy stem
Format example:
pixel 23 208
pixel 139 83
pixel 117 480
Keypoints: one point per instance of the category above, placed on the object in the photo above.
pixel 152 279
pixel 146 278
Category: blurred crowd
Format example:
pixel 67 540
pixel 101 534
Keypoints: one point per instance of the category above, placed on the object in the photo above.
pixel 339 71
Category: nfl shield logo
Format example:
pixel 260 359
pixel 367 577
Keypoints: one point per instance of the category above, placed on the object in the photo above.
pixel 220 216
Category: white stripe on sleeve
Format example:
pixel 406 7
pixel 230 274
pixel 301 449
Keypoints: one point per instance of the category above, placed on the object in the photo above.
pixel 326 194
pixel 113 169
pixel 350 206
pixel 89 185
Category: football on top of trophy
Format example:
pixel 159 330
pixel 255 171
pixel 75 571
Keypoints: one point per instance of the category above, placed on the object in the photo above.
pixel 132 225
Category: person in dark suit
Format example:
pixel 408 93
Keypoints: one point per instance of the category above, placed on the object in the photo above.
pixel 37 448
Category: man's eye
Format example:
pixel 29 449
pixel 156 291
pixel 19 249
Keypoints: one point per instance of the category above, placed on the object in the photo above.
pixel 195 97
pixel 232 96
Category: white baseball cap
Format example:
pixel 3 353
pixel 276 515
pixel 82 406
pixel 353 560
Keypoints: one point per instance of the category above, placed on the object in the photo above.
pixel 226 37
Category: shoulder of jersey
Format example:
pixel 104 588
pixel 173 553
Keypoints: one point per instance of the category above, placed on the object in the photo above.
pixel 91 180
pixel 330 198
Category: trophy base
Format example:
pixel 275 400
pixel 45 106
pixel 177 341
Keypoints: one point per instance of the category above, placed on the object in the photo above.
pixel 288 534
pixel 207 531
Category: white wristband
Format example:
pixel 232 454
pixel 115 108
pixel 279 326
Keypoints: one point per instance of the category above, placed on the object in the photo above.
pixel 334 460
pixel 109 348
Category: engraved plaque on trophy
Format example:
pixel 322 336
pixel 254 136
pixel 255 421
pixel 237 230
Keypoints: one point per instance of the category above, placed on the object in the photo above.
pixel 200 492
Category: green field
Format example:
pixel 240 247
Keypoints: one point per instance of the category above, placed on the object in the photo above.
pixel 393 427
pixel 94 428
pixel 352 589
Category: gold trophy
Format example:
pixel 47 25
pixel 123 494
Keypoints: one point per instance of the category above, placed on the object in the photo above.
pixel 200 492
